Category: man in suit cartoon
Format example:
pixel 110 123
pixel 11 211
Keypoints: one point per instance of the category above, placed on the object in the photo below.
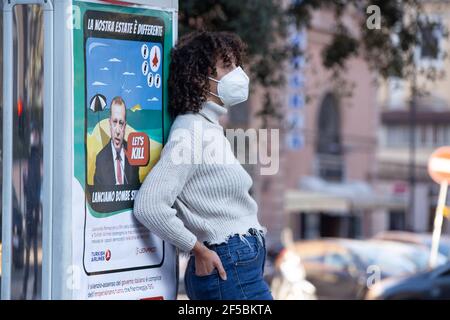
pixel 111 165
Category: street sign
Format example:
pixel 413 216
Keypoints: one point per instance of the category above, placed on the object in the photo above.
pixel 439 165
pixel 439 170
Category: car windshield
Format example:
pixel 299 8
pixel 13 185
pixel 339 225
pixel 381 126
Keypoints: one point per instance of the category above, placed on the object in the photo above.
pixel 444 247
pixel 391 258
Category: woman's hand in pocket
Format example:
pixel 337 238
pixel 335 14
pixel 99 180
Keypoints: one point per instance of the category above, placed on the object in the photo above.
pixel 206 261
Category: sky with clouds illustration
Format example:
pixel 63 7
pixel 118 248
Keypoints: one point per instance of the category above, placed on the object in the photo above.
pixel 116 68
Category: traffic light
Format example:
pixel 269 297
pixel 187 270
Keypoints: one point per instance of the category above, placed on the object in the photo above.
pixel 21 116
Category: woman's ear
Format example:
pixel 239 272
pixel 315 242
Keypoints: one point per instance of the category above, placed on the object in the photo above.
pixel 209 72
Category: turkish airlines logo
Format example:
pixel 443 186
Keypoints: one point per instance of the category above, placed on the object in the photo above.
pixel 108 255
pixel 98 256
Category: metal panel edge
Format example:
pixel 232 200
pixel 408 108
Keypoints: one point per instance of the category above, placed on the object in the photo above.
pixel 174 41
pixel 7 138
pixel 7 151
pixel 9 4
pixel 165 5
pixel 48 134
pixel 63 152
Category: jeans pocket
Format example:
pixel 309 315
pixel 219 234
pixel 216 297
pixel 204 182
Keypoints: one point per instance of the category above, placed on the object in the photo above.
pixel 247 254
pixel 251 278
pixel 213 273
pixel 187 280
pixel 205 287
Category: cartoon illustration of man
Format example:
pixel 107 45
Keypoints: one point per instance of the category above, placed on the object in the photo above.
pixel 111 165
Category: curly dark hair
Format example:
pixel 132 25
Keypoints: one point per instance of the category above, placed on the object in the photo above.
pixel 195 55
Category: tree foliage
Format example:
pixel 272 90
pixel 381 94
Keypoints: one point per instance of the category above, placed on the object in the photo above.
pixel 390 50
pixel 260 23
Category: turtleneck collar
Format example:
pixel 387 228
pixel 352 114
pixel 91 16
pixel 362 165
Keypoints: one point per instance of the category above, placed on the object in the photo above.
pixel 212 111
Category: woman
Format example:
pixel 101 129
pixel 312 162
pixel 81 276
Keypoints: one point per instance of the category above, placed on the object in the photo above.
pixel 197 195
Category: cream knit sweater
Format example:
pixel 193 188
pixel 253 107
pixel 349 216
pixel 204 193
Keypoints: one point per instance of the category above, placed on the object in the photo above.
pixel 197 190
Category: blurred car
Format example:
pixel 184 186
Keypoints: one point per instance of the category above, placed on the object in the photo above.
pixel 434 284
pixel 421 239
pixel 343 268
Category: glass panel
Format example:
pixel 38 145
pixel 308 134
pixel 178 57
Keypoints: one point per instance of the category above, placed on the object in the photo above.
pixel 1 132
pixel 27 152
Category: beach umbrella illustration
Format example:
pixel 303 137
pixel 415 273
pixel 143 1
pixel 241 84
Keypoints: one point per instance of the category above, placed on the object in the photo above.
pixel 145 68
pixel 98 103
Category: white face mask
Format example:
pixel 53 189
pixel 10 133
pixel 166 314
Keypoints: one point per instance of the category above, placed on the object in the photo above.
pixel 233 87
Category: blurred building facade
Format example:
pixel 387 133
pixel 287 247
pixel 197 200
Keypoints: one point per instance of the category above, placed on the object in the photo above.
pixel 327 185
pixel 426 124
pixel 331 185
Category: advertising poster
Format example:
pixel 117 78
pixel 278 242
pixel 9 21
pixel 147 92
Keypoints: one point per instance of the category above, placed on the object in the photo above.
pixel 121 58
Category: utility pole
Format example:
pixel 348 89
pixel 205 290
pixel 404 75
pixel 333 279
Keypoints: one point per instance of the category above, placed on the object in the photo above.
pixel 412 135
pixel 412 157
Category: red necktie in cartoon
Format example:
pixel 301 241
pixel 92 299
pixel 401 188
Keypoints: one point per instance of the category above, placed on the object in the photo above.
pixel 118 168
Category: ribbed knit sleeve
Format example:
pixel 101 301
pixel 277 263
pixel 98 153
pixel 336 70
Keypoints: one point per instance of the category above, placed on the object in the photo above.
pixel 153 205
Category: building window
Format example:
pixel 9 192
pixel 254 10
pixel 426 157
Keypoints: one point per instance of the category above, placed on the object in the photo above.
pixel 397 220
pixel 423 136
pixel 396 136
pixel 430 43
pixel 396 93
pixel 427 136
pixel 309 225
pixel 329 164
pixel 431 35
pixel 447 134
pixel 430 53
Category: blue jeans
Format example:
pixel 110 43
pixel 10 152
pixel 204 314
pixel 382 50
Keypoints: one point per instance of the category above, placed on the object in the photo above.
pixel 243 258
